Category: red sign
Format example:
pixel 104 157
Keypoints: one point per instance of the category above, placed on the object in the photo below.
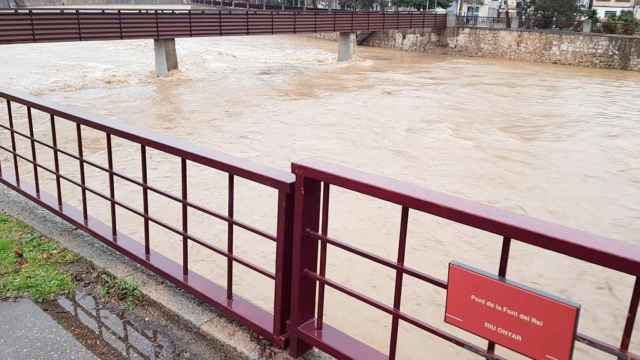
pixel 524 320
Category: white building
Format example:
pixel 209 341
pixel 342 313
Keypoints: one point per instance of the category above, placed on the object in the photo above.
pixel 484 8
pixel 606 8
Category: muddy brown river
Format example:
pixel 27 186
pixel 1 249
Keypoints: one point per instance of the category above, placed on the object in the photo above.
pixel 553 142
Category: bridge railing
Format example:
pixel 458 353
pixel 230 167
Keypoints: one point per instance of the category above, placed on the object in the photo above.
pixel 314 179
pixel 27 26
pixel 270 324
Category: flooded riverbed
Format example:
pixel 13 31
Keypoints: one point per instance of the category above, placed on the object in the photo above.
pixel 554 142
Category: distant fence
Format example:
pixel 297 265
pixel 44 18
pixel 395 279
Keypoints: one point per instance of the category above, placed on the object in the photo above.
pixel 481 21
pixel 47 25
pixel 301 238
pixel 537 23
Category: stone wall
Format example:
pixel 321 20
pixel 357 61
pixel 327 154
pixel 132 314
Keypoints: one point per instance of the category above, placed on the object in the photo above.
pixel 591 50
pixel 410 40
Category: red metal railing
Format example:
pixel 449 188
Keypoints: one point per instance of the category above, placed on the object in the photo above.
pixel 301 237
pixel 271 325
pixel 49 25
pixel 313 181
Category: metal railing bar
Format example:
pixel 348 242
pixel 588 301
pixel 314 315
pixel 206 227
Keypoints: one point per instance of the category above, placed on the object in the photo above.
pixel 33 152
pixel 13 143
pixel 145 199
pixel 631 316
pixel 578 244
pixel 230 200
pixel 112 189
pixel 502 272
pixel 185 219
pixel 604 347
pixel 56 160
pixel 240 167
pixel 85 212
pixel 382 261
pixel 152 219
pixel 402 316
pixel 397 296
pixel 324 228
pixel 145 186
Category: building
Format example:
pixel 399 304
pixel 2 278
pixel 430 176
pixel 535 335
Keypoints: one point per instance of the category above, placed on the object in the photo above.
pixel 483 8
pixel 606 8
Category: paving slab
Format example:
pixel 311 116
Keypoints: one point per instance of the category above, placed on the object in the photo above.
pixel 28 333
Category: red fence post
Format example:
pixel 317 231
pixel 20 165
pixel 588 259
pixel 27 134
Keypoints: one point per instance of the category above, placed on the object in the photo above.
pixel 284 255
pixel 305 256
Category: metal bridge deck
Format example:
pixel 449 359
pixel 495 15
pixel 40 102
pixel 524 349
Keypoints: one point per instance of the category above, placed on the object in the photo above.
pixel 49 25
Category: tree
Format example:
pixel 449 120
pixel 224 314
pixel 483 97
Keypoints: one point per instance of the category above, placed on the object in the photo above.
pixel 550 13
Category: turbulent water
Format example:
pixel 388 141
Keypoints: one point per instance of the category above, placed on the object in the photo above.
pixel 554 142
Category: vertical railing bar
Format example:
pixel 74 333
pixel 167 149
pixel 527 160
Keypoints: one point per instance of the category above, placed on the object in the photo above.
pixel 323 253
pixel 145 199
pixel 120 24
pixel 56 159
pixel 230 201
pixel 397 298
pixel 13 143
pixel 185 222
pixel 502 272
pixel 504 256
pixel 33 30
pixel 85 215
pixel 157 25
pixel 112 189
pixel 33 151
pixel 284 238
pixel 631 316
pixel 78 23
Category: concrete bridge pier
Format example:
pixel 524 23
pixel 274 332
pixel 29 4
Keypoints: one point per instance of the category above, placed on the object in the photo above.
pixel 165 55
pixel 346 46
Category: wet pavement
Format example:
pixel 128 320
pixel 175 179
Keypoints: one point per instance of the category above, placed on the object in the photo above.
pixel 27 332
pixel 80 326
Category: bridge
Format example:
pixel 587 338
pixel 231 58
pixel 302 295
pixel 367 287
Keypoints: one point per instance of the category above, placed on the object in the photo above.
pixel 165 25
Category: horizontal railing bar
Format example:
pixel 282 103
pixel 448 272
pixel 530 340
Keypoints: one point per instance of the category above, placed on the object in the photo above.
pixel 243 168
pixel 604 347
pixel 149 187
pixel 150 218
pixel 578 244
pixel 405 317
pixel 380 260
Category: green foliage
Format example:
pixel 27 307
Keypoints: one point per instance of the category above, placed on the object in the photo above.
pixel 550 13
pixel 625 24
pixel 31 265
pixel 112 288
